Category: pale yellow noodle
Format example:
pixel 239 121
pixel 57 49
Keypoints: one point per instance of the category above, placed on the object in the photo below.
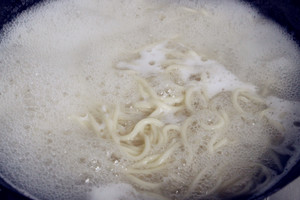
pixel 188 97
pixel 141 183
pixel 140 126
pixel 195 182
pixel 246 93
pixel 144 162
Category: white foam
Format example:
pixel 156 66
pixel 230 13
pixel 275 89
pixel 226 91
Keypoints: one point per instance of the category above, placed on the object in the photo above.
pixel 286 113
pixel 215 77
pixel 114 192
pixel 149 61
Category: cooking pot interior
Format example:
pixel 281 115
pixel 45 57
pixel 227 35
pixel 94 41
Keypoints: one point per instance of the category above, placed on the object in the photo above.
pixel 285 13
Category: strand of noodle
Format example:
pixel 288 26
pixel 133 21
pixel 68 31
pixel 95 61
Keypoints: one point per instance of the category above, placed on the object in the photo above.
pixel 273 123
pixel 170 62
pixel 157 160
pixel 130 149
pixel 195 182
pixel 172 100
pixel 145 171
pixel 266 172
pixel 188 97
pixel 220 124
pixel 158 112
pixel 116 116
pixel 137 141
pixel 245 93
pixel 165 106
pixel 107 120
pixel 276 160
pixel 225 117
pixel 159 136
pixel 194 54
pixel 130 121
pixel 142 92
pixel 155 135
pixel 264 113
pixel 246 189
pixel 252 96
pixel 163 157
pixel 114 123
pixel 227 183
pixel 95 125
pixel 190 10
pixel 139 127
pixel 126 68
pixel 210 145
pixel 222 185
pixel 115 138
pixel 171 127
pixel 129 152
pixel 155 195
pixel 145 161
pixel 152 93
pixel 144 106
pixel 141 183
pixel 89 121
pixel 220 179
pixel 147 88
pixel 282 150
pixel 162 108
pixel 111 128
pixel 184 130
pixel 277 125
pixel 221 143
pixel 183 134
pixel 236 105
pixel 149 131
pixel 163 138
pixel 213 144
pixel 236 180
pixel 215 188
pixel 164 135
pixel 144 152
pixel 174 67
pixel 166 130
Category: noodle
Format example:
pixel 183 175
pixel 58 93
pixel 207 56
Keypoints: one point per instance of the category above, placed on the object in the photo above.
pixel 151 144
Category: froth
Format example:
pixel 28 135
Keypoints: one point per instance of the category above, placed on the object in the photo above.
pixel 59 58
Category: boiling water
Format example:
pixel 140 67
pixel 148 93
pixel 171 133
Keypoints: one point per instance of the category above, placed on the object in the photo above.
pixel 60 59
